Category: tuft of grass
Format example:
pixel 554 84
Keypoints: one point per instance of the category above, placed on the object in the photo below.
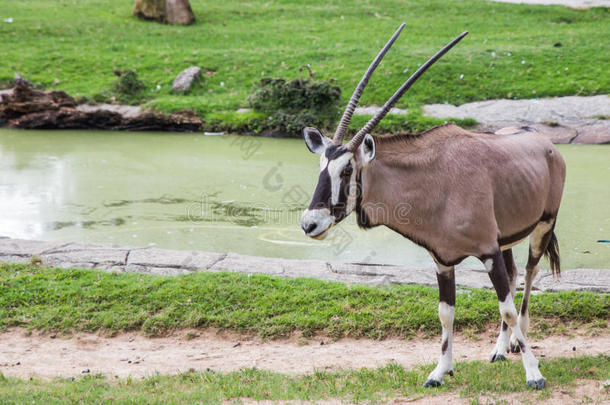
pixel 61 300
pixel 471 380
pixel 234 122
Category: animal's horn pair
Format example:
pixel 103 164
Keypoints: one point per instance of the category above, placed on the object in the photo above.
pixel 349 111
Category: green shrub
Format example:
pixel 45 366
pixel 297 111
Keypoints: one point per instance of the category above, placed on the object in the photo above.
pixel 291 105
pixel 128 88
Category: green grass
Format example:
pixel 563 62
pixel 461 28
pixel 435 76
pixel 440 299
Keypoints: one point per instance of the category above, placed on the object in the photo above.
pixel 471 380
pixel 86 300
pixel 252 121
pixel 413 122
pixel 510 52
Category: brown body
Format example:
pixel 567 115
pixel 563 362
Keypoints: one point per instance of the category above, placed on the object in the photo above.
pixel 459 193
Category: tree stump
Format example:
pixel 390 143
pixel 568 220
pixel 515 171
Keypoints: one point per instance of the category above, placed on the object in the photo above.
pixel 165 11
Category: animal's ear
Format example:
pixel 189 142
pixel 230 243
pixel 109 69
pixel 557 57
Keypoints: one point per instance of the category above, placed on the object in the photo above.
pixel 316 142
pixel 367 149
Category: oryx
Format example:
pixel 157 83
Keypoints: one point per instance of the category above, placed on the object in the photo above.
pixel 468 194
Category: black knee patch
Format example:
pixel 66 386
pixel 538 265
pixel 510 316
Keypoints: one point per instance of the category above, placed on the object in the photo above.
pixel 446 287
pixel 498 275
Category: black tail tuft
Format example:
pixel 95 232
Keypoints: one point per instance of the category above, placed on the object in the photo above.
pixel 552 253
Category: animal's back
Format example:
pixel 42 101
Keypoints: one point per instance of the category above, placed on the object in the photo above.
pixel 526 174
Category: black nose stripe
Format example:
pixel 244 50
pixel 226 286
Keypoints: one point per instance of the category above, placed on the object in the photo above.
pixel 322 195
pixel 339 210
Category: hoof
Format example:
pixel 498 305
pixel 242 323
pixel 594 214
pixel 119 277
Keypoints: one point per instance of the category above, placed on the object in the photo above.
pixel 432 383
pixel 450 372
pixel 514 348
pixel 536 384
pixel 498 357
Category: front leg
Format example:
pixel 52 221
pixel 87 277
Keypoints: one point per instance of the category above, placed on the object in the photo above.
pixel 446 310
pixel 502 344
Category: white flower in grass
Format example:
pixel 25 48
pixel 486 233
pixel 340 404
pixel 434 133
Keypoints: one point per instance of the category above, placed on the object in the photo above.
pixel 461 77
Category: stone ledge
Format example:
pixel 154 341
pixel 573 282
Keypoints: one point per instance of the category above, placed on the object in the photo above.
pixel 570 119
pixel 148 260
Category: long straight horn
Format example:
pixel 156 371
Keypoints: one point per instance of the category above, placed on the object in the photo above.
pixel 353 102
pixel 357 139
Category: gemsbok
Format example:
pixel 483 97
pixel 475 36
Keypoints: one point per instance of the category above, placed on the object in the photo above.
pixel 467 194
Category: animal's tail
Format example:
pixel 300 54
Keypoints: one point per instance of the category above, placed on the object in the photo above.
pixel 552 253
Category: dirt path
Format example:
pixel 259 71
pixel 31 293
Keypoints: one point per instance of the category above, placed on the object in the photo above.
pixel 47 356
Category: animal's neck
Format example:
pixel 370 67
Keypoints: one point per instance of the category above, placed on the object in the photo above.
pixel 394 185
pixel 379 203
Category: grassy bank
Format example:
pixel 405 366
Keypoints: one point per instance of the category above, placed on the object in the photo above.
pixel 513 51
pixel 85 300
pixel 471 380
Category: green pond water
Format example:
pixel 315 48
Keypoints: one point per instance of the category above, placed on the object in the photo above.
pixel 231 194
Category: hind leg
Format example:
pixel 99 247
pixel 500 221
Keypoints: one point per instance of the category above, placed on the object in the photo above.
pixel 499 351
pixel 539 240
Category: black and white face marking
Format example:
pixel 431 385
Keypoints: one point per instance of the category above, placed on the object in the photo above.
pixel 335 195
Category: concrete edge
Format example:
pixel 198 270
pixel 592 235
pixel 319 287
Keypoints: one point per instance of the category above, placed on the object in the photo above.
pixel 151 260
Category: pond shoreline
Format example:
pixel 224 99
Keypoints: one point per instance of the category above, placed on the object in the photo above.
pixel 26 108
pixel 580 120
pixel 151 260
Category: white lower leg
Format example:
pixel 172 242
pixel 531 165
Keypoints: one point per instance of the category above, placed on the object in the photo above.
pixel 509 314
pixel 501 347
pixel 502 344
pixel 446 313
pixel 523 320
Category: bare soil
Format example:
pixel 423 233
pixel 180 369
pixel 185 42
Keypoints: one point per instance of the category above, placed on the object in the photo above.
pixel 23 354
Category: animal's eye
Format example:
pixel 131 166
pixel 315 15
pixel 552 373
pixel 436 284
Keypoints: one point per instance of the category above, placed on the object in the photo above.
pixel 346 172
